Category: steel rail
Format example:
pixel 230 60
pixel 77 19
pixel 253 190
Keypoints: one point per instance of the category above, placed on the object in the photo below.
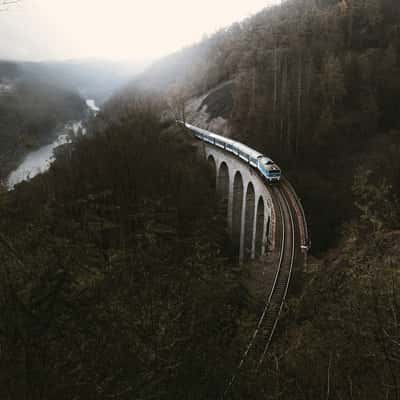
pixel 286 288
pixel 299 205
pixel 266 307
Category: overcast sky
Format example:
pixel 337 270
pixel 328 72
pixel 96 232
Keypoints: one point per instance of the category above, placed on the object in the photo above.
pixel 114 29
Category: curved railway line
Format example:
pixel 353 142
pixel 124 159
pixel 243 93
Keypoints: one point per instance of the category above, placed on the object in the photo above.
pixel 272 309
pixel 284 272
pixel 292 236
pixel 299 211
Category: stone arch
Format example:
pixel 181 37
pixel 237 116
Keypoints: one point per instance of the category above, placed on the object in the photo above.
pixel 237 209
pixel 249 221
pixel 223 184
pixel 259 242
pixel 213 168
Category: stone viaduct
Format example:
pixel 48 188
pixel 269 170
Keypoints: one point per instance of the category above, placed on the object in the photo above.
pixel 250 211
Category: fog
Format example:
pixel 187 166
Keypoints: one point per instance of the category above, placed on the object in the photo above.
pixel 37 30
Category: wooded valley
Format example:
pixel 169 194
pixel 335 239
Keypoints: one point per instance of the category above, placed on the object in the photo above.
pixel 117 278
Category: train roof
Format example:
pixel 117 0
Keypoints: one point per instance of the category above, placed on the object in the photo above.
pixel 268 160
pixel 195 128
pixel 240 146
pixel 269 163
pixel 248 150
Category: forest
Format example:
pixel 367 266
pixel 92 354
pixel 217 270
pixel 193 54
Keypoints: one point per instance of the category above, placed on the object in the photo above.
pixel 123 289
pixel 116 278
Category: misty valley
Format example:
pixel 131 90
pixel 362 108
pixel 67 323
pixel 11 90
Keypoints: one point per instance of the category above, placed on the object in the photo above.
pixel 39 161
pixel 200 208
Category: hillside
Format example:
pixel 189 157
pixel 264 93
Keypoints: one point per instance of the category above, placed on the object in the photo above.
pixel 339 335
pixel 30 112
pixel 92 79
pixel 315 86
pixel 114 279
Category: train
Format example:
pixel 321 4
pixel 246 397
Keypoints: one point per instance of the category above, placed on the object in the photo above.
pixel 267 167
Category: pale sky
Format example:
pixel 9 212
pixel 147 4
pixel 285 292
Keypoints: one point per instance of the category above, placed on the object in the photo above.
pixel 115 29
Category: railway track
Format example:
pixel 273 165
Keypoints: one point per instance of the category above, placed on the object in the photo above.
pixel 298 210
pixel 284 272
pixel 275 299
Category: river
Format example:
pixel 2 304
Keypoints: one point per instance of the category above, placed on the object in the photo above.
pixel 39 160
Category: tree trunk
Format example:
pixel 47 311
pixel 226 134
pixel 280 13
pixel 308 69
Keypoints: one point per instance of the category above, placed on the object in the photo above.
pixel 275 89
pixel 350 24
pixel 253 94
pixel 283 102
pixel 299 103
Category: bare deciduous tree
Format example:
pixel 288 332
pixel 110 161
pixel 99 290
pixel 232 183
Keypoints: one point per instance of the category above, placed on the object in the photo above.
pixel 177 103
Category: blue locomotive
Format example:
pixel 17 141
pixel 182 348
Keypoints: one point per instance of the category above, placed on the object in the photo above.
pixel 263 164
